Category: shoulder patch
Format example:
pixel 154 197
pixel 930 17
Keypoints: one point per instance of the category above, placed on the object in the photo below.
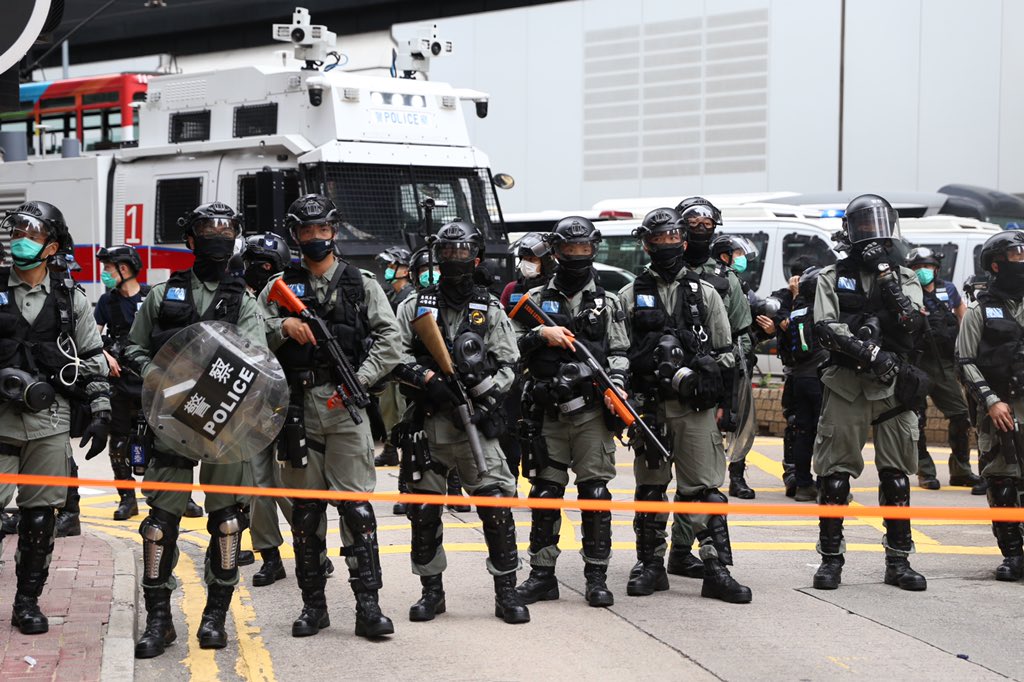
pixel 645 301
pixel 513 299
pixel 994 313
pixel 942 295
pixel 847 283
pixel 298 289
pixel 800 312
pixel 550 306
pixel 176 294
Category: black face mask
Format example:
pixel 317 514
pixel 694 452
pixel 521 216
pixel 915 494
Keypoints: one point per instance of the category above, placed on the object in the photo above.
pixel 256 277
pixel 572 275
pixel 456 285
pixel 318 249
pixel 697 252
pixel 1009 279
pixel 212 256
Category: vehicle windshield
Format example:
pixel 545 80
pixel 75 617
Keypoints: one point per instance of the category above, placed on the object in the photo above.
pixel 381 203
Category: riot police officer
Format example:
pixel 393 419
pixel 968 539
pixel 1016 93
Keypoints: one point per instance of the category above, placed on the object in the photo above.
pixel 536 265
pixel 54 377
pixel 339 450
pixel 206 291
pixel 990 354
pixel 867 312
pixel 263 256
pixel 576 430
pixel 945 310
pixel 392 404
pixel 479 336
pixel 700 218
pixel 680 341
pixel 114 314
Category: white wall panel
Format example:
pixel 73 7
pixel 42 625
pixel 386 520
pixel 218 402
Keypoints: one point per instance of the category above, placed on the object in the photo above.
pixel 1010 150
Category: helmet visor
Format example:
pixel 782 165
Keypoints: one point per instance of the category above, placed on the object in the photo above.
pixel 576 250
pixel 22 225
pixel 699 220
pixel 669 236
pixel 874 222
pixel 748 247
pixel 455 252
pixel 216 227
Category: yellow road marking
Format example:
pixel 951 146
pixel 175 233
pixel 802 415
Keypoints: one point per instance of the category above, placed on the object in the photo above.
pixel 254 662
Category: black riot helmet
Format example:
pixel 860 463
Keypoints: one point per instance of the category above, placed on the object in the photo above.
pixel 870 217
pixel 922 255
pixel 662 237
pixel 211 217
pixel 394 255
pixel 34 219
pixel 121 254
pixel 809 282
pixel 690 202
pixel 267 248
pixel 999 247
pixel 457 241
pixel 422 270
pixel 699 217
pixel 311 209
pixel 571 232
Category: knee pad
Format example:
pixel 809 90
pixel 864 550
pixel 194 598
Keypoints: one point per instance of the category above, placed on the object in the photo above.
pixel 306 515
pixel 895 487
pixel 425 520
pixel 650 493
pixel 1002 492
pixel 159 533
pixel 359 517
pixel 834 488
pixel 542 489
pixel 593 490
pixel 712 495
pixel 225 527
pixel 36 524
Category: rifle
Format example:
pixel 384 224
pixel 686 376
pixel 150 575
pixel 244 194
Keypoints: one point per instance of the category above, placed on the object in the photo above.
pixel 348 390
pixel 425 327
pixel 528 313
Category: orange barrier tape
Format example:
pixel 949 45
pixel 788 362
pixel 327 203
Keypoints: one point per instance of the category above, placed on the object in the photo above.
pixel 1013 514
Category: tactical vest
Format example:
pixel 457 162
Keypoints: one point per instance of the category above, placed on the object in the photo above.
pixel 651 320
pixel 343 309
pixel 718 277
pixel 856 306
pixel 396 297
pixel 944 323
pixel 474 320
pixel 118 324
pixel 1000 341
pixel 178 308
pixel 33 348
pixel 588 326
pixel 797 342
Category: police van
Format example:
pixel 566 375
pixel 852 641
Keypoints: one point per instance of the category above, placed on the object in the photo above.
pixel 257 137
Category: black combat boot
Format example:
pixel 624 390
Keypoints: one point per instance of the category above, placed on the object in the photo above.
pixel 370 622
pixel 541 585
pixel 35 544
pixel 314 616
pixel 719 584
pixel 648 575
pixel 1002 492
pixel 388 457
pixel 682 562
pixel 212 632
pixel 431 600
pixel 69 524
pixel 193 510
pixel 894 490
pixel 9 522
pixel 899 573
pixel 508 605
pixel 159 632
pixel 127 507
pixel 738 484
pixel 959 432
pixel 272 569
pixel 832 489
pixel 597 592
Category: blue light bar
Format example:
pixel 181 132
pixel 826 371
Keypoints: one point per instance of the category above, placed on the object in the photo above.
pixel 832 213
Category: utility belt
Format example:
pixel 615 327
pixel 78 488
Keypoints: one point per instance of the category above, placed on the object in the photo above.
pixel 570 392
pixel 414 447
pixel 305 379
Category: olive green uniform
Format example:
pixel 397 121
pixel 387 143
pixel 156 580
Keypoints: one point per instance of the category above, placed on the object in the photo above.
pixel 581 442
pixel 140 352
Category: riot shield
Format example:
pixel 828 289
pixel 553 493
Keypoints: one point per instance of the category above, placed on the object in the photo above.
pixel 215 395
pixel 742 439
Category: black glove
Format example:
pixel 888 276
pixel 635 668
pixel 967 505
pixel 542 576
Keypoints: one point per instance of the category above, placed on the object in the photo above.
pixel 884 364
pixel 439 394
pixel 97 432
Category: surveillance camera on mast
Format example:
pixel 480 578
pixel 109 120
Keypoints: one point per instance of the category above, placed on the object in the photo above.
pixel 414 46
pixel 313 44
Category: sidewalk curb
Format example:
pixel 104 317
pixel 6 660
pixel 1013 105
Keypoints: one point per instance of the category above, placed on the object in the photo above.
pixel 118 661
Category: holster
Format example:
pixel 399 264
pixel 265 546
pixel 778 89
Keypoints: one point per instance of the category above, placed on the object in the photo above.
pixel 291 444
pixel 140 445
pixel 415 452
pixel 532 444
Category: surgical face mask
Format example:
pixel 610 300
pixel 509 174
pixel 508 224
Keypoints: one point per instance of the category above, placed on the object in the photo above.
pixel 109 281
pixel 25 253
pixel 389 275
pixel 429 277
pixel 925 276
pixel 529 270
pixel 739 263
